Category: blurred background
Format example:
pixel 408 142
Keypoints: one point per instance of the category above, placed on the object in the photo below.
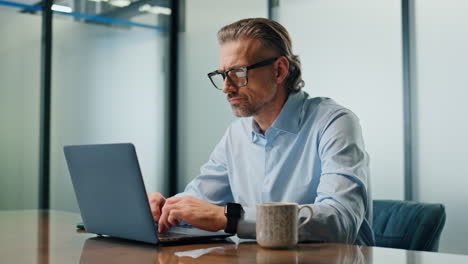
pixel 135 71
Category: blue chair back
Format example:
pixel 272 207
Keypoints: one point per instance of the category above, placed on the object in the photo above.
pixel 408 225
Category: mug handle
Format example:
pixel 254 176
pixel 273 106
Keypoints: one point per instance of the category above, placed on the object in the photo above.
pixel 309 217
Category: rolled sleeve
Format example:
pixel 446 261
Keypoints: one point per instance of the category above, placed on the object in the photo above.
pixel 342 201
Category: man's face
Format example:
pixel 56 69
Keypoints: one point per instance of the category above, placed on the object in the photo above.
pixel 261 89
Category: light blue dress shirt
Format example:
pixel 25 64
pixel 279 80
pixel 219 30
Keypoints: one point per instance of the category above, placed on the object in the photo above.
pixel 312 154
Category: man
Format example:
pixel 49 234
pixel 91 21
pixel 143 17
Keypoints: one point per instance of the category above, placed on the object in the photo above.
pixel 285 147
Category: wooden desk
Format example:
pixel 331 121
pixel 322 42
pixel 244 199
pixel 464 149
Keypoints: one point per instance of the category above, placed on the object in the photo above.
pixel 34 236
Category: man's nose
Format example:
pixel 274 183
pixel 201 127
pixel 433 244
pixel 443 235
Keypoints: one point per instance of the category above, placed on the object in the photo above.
pixel 228 87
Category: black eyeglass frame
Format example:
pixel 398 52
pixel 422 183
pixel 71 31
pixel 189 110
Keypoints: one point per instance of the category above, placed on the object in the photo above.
pixel 246 69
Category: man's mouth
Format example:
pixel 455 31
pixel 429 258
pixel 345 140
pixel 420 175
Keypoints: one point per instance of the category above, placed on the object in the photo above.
pixel 235 100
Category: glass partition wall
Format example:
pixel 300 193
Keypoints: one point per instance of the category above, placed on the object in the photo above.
pixel 20 31
pixel 109 83
pixel 352 53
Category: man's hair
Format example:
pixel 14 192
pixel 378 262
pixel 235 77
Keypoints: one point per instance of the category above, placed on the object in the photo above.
pixel 272 35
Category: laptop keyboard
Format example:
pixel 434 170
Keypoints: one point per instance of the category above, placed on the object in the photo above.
pixel 185 232
pixel 170 236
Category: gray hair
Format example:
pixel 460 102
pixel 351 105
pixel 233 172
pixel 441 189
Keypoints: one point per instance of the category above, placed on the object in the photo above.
pixel 272 35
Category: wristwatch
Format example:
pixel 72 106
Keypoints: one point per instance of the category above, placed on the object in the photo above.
pixel 233 212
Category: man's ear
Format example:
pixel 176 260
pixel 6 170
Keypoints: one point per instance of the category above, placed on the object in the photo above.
pixel 281 69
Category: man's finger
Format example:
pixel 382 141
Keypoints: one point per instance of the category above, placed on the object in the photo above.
pixel 173 218
pixel 160 226
pixel 174 200
pixel 156 199
pixel 156 212
pixel 162 223
pixel 161 201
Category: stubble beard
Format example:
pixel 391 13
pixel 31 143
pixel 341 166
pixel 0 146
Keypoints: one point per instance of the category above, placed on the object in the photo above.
pixel 246 109
pixel 243 110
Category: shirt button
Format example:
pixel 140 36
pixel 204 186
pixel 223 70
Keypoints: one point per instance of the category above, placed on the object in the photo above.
pixel 269 148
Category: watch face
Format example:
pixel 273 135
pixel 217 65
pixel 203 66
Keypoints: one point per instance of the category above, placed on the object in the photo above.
pixel 233 210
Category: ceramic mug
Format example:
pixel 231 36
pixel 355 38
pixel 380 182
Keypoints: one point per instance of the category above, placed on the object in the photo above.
pixel 278 224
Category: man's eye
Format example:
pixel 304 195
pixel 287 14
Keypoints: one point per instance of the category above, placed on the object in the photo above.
pixel 240 74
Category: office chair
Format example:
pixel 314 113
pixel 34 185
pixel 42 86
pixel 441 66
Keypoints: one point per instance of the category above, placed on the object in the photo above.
pixel 408 225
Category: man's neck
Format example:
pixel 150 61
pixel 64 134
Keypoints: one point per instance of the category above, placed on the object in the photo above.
pixel 269 113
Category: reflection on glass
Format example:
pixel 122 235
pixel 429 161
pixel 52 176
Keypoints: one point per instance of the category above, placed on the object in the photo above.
pixel 108 86
pixel 20 34
pixel 150 14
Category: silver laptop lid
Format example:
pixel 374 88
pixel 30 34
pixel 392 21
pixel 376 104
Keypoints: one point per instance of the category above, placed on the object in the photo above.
pixel 110 191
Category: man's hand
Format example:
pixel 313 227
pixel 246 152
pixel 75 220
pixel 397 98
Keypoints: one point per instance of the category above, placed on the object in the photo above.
pixel 156 202
pixel 193 211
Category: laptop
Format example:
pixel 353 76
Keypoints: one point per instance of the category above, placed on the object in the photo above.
pixel 112 197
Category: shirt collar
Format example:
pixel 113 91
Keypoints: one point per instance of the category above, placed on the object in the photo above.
pixel 290 117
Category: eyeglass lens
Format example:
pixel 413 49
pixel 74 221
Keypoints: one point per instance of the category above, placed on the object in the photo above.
pixel 238 77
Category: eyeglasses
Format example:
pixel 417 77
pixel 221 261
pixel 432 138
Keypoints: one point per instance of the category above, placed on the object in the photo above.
pixel 237 76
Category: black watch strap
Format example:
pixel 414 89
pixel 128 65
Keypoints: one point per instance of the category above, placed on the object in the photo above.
pixel 233 212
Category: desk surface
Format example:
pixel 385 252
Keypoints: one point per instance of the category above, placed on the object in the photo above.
pixel 33 236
